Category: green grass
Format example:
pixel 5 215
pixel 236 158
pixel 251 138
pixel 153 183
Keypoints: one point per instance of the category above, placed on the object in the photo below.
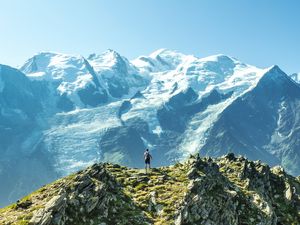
pixel 169 185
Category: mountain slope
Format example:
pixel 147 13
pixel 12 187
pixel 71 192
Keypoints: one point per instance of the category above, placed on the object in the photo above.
pixel 80 82
pixel 118 74
pixel 71 80
pixel 226 190
pixel 261 124
pixel 109 109
pixel 22 168
pixel 108 131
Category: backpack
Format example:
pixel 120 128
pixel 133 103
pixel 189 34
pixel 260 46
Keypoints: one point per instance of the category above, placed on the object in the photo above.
pixel 147 155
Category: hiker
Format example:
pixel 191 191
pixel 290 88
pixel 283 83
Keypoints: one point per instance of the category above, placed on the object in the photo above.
pixel 147 158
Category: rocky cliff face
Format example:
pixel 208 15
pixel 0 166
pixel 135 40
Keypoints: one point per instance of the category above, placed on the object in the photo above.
pixel 226 190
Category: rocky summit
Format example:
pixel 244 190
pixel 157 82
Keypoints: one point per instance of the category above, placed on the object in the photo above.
pixel 229 190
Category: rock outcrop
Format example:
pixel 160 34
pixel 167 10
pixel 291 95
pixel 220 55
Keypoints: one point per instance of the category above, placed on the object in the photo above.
pixel 91 197
pixel 232 190
pixel 227 190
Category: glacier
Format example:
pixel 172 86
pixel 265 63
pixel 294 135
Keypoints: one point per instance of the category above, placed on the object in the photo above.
pixel 60 113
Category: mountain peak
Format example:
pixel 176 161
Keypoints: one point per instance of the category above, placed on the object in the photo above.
pixel 221 58
pixel 275 74
pixel 165 52
pixel 278 83
pixel 179 194
pixel 108 58
pixel 48 55
pixel 45 59
pixel 274 68
pixel 108 52
pixel 160 60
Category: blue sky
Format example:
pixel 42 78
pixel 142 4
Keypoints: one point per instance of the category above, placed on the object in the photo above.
pixel 258 32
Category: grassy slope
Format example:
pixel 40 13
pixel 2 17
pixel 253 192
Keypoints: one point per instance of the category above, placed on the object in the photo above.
pixel 159 195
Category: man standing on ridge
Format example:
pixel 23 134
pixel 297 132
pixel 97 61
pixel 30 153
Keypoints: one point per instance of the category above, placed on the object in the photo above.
pixel 147 158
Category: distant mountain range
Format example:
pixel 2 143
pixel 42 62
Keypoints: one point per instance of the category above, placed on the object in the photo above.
pixel 60 113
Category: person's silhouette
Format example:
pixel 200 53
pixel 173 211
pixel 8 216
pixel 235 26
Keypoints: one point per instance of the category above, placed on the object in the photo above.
pixel 147 157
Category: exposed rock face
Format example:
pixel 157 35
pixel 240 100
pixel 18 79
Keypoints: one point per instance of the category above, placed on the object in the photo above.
pixel 233 190
pixel 227 190
pixel 206 193
pixel 88 197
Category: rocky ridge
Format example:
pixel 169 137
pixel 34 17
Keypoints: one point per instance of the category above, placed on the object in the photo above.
pixel 225 190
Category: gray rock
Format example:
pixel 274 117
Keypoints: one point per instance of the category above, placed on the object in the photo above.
pixel 192 173
pixel 92 203
pixel 56 203
pixel 41 217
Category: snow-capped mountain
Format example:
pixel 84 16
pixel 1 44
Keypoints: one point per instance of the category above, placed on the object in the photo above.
pixel 75 82
pixel 119 76
pixel 21 128
pixel 107 108
pixel 160 60
pixel 261 124
pixel 71 80
pixel 296 77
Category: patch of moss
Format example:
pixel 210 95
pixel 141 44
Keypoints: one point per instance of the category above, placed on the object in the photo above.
pixel 158 195
pixel 22 222
pixel 167 184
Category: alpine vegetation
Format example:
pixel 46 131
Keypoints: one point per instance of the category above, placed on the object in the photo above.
pixel 226 190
